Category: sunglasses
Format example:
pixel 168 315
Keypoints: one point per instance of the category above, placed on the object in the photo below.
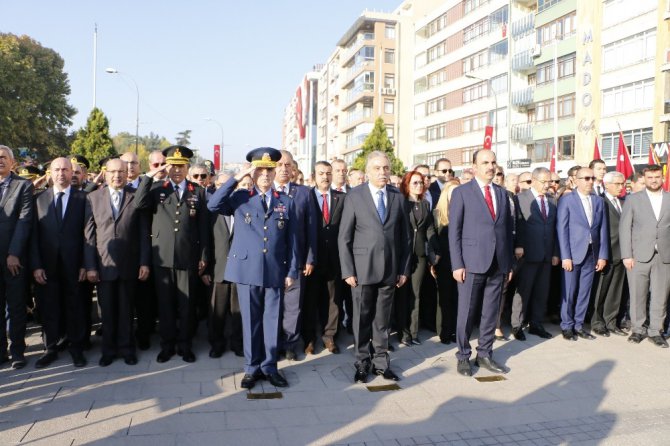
pixel 199 176
pixel 527 181
pixel 445 171
pixel 555 181
pixel 587 178
pixel 499 174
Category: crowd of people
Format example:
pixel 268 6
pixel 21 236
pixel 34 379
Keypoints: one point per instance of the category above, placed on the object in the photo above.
pixel 278 265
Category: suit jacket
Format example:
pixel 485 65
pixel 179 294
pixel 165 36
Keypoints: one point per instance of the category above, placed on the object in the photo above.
pixel 328 253
pixel 116 248
pixel 574 231
pixel 640 232
pixel 16 218
pixel 534 234
pixel 306 222
pixel 613 219
pixel 474 237
pixel 264 249
pixel 373 251
pixel 435 192
pixel 51 244
pixel 180 228
pixel 222 237
pixel 422 229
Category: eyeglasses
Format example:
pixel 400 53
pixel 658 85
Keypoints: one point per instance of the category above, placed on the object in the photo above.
pixel 416 183
pixel 446 171
pixel 199 176
pixel 157 164
pixel 500 174
pixel 587 178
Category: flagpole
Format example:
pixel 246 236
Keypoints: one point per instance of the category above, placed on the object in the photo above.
pixel 556 93
pixel 95 62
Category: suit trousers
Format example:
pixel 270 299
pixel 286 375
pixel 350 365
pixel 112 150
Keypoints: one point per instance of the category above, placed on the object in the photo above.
pixel 407 304
pixel 447 303
pixel 146 308
pixel 176 310
pixel 224 303
pixel 577 292
pixel 346 306
pixel 323 297
pixel 12 297
pixel 292 303
pixel 649 278
pixel 371 323
pixel 62 309
pixel 608 297
pixel 116 300
pixel 530 300
pixel 260 308
pixel 479 291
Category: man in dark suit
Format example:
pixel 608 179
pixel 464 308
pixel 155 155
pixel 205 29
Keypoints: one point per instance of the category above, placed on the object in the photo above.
pixel 56 257
pixel 611 285
pixel 306 241
pixel 262 260
pixel 374 243
pixel 442 172
pixel 323 296
pixel 583 240
pixel 480 245
pixel 339 184
pixel 536 245
pixel 16 219
pixel 599 169
pixel 340 172
pixel 180 232
pixel 117 254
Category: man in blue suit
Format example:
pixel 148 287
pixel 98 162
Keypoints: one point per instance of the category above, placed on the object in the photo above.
pixel 480 245
pixel 583 236
pixel 262 260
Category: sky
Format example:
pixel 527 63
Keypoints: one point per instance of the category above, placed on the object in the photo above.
pixel 236 62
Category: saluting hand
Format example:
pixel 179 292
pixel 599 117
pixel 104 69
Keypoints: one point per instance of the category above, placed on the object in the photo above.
pixel 244 172
pixel 14 265
pixel 153 172
pixel 144 273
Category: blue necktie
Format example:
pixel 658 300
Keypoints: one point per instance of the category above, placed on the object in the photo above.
pixel 381 207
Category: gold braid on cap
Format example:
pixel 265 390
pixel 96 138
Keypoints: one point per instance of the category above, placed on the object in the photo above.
pixel 177 153
pixel 265 161
pixel 73 160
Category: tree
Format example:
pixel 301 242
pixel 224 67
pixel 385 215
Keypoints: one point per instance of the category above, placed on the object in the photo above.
pixel 34 112
pixel 184 138
pixel 93 141
pixel 379 140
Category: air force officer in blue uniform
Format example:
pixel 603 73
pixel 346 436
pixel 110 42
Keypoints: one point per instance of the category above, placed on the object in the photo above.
pixel 262 260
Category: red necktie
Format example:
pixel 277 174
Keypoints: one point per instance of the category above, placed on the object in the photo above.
pixel 324 208
pixel 543 207
pixel 489 200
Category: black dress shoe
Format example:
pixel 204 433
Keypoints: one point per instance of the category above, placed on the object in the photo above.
pixel 617 331
pixel 46 359
pixel 490 365
pixel 446 340
pixel 386 374
pixel 248 381
pixel 518 334
pixel 290 354
pixel 216 352
pixel 361 376
pixel 18 363
pixel 130 359
pixel 164 356
pixel 584 334
pixel 391 347
pixel 602 332
pixel 464 367
pixel 539 331
pixel 105 360
pixel 3 359
pixel 636 338
pixel 276 380
pixel 78 359
pixel 569 335
pixel 658 341
pixel 415 341
pixel 239 352
pixel 188 356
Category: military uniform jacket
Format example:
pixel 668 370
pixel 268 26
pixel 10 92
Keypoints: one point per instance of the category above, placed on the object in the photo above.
pixel 264 250
pixel 180 229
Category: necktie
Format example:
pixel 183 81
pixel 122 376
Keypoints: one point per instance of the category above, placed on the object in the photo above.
pixel 589 211
pixel 616 205
pixel 116 203
pixel 324 208
pixel 489 200
pixel 59 207
pixel 543 207
pixel 3 186
pixel 381 207
pixel 265 204
pixel 176 191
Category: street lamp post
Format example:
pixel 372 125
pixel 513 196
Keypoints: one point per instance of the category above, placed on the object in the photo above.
pixel 495 114
pixel 137 113
pixel 221 128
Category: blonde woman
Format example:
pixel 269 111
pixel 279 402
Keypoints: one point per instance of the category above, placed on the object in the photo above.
pixel 447 301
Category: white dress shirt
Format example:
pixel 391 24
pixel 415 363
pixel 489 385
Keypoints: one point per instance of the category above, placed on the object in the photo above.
pixel 493 193
pixel 182 188
pixel 374 190
pixel 320 196
pixel 656 202
pixel 614 200
pixel 64 200
pixel 587 205
pixel 538 199
pixel 265 196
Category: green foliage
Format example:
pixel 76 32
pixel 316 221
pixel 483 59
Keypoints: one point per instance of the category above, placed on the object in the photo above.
pixel 34 112
pixel 184 138
pixel 125 142
pixel 93 141
pixel 378 140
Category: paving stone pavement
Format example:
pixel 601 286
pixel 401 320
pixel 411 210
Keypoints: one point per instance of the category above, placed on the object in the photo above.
pixel 606 391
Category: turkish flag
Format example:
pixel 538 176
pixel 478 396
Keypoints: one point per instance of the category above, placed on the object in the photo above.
pixel 666 183
pixel 552 163
pixel 217 157
pixel 596 151
pixel 623 162
pixel 488 136
pixel 652 156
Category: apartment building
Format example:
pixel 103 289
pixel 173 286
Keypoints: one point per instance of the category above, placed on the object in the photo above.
pixel 299 128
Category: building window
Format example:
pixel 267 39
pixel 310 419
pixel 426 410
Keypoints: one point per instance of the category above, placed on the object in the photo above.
pixel 471 5
pixel 500 115
pixel 566 106
pixel 390 131
pixel 637 141
pixel 499 84
pixel 388 107
pixel 389 31
pixel 631 50
pixel 540 151
pixel 436 132
pixel 560 29
pixel 437 25
pixel 566 68
pixel 436 51
pixel 389 56
pixel 544 111
pixel 475 92
pixel 617 11
pixel 628 98
pixel 545 4
pixel 498 51
pixel 566 145
pixel 436 105
pixel 474 61
pixel 389 81
pixel 436 78
pixel 474 123
pixel 476 30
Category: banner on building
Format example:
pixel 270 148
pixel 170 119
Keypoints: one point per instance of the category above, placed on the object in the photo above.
pixel 488 136
pixel 217 157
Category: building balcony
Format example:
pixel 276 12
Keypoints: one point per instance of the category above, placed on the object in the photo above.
pixel 522 133
pixel 526 3
pixel 666 62
pixel 523 97
pixel 523 62
pixel 523 26
pixel 348 52
pixel 364 93
pixel 355 70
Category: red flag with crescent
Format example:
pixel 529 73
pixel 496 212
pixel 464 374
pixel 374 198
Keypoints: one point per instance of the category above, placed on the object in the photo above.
pixel 217 157
pixel 552 163
pixel 488 136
